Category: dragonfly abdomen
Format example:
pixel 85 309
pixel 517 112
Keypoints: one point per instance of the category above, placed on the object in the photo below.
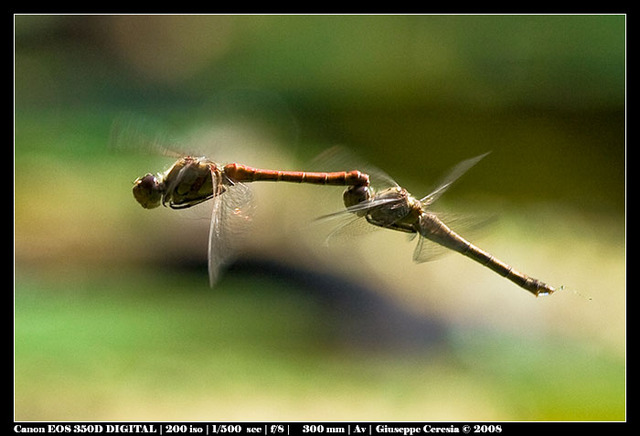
pixel 439 232
pixel 536 287
pixel 243 173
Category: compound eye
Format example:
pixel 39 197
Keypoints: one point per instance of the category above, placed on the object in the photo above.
pixel 147 191
pixel 356 195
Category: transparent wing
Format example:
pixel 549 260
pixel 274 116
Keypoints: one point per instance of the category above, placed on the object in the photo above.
pixel 217 252
pixel 427 250
pixel 350 227
pixel 352 224
pixel 364 206
pixel 339 158
pixel 453 175
pixel 230 223
pixel 132 133
pixel 349 223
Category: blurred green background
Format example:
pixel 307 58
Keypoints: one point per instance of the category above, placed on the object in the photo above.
pixel 114 319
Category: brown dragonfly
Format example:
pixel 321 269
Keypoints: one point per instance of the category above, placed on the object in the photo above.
pixel 194 180
pixel 385 204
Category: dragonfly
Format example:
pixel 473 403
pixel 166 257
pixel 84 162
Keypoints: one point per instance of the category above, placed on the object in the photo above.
pixel 194 180
pixel 385 204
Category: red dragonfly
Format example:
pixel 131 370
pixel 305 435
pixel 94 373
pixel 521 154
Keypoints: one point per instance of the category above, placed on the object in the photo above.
pixel 194 180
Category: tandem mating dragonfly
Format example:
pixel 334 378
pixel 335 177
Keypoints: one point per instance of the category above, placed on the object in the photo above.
pixel 193 180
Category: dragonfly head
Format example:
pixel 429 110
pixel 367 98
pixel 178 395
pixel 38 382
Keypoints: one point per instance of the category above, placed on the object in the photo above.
pixel 148 191
pixel 357 194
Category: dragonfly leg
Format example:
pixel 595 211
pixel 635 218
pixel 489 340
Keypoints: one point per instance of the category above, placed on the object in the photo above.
pixel 189 204
pixel 401 227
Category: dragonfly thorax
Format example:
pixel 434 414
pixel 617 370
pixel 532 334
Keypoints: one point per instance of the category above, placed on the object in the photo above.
pixel 398 210
pixel 188 182
pixel 191 181
pixel 148 191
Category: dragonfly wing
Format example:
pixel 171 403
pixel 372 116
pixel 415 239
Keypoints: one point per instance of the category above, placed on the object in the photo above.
pixel 427 251
pixel 131 133
pixel 353 224
pixel 453 175
pixel 216 251
pixel 351 227
pixel 338 158
pixel 363 206
pixel 230 222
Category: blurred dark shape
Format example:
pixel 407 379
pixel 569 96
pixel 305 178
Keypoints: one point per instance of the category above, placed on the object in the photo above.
pixel 355 316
